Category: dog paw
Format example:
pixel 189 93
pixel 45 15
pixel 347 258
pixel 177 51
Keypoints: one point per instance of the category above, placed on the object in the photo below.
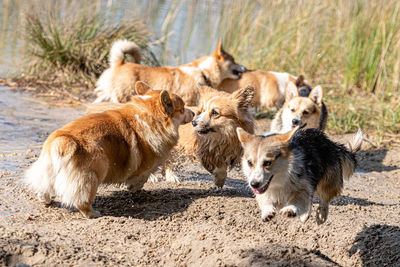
pixel 152 179
pixel 268 216
pixel 44 198
pixel 171 177
pixel 289 211
pixel 92 214
pixel 322 215
pixel 304 217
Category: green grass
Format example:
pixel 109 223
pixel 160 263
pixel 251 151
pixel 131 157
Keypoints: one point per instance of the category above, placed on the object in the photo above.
pixel 75 50
pixel 350 48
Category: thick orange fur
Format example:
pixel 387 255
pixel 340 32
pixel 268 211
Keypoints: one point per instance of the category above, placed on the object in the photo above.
pixel 220 114
pixel 123 145
pixel 269 87
pixel 116 84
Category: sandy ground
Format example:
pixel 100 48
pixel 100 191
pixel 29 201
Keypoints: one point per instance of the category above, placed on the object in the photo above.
pixel 193 223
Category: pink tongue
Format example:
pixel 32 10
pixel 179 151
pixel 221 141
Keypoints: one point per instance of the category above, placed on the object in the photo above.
pixel 256 191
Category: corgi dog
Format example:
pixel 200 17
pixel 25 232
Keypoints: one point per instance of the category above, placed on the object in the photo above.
pixel 212 136
pixel 285 170
pixel 269 87
pixel 116 84
pixel 301 108
pixel 120 146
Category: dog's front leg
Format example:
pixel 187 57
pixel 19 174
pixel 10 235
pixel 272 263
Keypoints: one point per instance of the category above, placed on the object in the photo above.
pixel 267 207
pixel 299 204
pixel 219 175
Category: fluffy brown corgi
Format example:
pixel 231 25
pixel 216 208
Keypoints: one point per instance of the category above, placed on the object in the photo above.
pixel 300 109
pixel 117 83
pixel 285 170
pixel 123 145
pixel 212 136
pixel 269 87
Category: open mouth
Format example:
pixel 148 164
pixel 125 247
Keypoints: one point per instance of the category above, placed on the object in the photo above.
pixel 237 73
pixel 301 127
pixel 263 188
pixel 206 131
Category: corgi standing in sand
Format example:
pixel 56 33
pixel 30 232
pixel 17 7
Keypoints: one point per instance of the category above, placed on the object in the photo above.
pixel 284 170
pixel 117 83
pixel 212 136
pixel 123 145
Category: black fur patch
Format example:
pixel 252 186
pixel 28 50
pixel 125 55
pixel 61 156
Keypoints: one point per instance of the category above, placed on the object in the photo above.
pixel 314 155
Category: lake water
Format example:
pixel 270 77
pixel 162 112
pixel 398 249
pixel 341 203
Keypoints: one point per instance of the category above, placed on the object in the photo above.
pixel 191 26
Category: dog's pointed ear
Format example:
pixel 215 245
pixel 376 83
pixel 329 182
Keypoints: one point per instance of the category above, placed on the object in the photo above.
pixel 142 88
pixel 300 81
pixel 316 95
pixel 166 102
pixel 244 97
pixel 243 136
pixel 285 138
pixel 291 91
pixel 219 51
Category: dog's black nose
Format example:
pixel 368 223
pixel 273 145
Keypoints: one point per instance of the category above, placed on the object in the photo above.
pixel 255 184
pixel 194 123
pixel 295 122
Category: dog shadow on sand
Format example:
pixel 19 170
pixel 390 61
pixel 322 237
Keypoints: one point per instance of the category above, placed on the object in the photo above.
pixel 373 160
pixel 281 255
pixel 153 203
pixel 378 245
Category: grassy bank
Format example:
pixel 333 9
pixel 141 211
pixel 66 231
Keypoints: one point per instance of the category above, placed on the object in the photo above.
pixel 351 48
pixel 74 50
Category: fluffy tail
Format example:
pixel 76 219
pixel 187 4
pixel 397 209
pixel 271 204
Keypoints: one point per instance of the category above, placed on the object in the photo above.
pixel 349 161
pixel 122 47
pixel 356 142
pixel 49 174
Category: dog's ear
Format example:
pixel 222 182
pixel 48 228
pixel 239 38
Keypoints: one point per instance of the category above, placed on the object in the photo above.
pixel 243 136
pixel 142 88
pixel 219 51
pixel 316 95
pixel 300 81
pixel 166 102
pixel 291 91
pixel 285 138
pixel 244 97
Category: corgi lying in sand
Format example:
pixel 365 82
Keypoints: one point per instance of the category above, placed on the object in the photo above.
pixel 269 87
pixel 212 136
pixel 117 83
pixel 285 170
pixel 123 145
pixel 300 108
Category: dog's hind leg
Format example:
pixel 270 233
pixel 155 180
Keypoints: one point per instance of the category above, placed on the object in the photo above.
pixel 219 175
pixel 322 211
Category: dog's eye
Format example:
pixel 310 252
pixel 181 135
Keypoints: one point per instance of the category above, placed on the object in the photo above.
pixel 214 113
pixel 305 112
pixel 292 110
pixel 250 163
pixel 267 163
